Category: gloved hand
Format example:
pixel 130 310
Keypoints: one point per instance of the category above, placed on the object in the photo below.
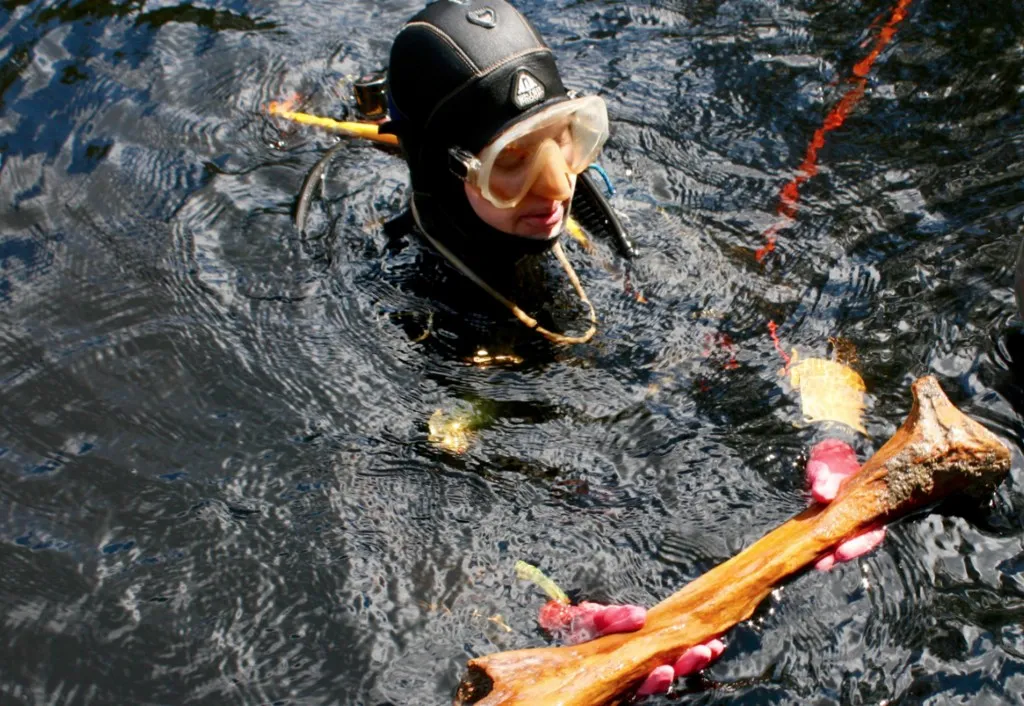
pixel 573 624
pixel 830 463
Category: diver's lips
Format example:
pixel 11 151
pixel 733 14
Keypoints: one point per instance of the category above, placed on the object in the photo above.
pixel 547 217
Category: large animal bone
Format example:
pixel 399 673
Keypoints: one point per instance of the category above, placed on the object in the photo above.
pixel 938 451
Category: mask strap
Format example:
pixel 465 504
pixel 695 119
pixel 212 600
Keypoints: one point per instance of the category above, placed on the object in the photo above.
pixel 523 317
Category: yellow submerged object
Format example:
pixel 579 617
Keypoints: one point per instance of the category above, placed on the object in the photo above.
pixel 829 391
pixel 529 572
pixel 367 131
pixel 452 433
pixel 484 359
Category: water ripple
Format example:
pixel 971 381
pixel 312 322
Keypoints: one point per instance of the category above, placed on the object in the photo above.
pixel 214 449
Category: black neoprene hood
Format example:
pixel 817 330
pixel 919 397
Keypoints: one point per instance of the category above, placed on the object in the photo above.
pixel 460 71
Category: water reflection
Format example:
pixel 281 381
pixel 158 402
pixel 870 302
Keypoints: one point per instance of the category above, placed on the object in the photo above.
pixel 218 479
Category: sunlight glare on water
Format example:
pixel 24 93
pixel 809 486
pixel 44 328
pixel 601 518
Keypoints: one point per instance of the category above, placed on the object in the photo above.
pixel 219 467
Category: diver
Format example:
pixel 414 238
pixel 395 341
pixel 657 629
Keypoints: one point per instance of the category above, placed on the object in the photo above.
pixel 497 149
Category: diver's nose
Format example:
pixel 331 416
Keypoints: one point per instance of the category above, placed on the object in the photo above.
pixel 554 181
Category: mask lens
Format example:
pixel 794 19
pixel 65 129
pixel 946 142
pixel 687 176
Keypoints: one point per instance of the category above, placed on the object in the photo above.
pixel 589 130
pixel 575 131
pixel 517 165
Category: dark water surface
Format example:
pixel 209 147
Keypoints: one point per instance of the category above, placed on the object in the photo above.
pixel 216 483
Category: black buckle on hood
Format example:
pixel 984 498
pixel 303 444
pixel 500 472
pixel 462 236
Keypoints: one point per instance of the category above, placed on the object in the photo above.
pixel 461 162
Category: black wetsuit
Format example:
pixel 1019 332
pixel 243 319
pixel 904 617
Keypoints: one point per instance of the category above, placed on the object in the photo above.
pixel 462 318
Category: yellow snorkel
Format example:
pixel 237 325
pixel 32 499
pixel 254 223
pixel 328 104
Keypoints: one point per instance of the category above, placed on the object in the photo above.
pixel 366 131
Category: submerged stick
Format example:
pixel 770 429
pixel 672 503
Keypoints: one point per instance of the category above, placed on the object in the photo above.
pixel 937 451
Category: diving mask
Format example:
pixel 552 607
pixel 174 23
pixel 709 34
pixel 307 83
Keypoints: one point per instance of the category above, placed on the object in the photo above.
pixel 566 137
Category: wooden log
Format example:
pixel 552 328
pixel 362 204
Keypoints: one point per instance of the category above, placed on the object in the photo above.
pixel 938 451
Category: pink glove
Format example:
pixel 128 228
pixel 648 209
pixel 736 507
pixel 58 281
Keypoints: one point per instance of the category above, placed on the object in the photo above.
pixel 573 624
pixel 831 462
pixel 578 623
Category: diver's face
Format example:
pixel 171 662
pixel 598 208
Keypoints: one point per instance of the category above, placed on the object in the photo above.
pixel 541 212
pixel 540 215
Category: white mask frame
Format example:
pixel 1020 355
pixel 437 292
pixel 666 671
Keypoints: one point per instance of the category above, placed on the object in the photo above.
pixel 586 122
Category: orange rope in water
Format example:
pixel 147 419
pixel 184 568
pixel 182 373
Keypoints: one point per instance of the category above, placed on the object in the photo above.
pixel 790 195
pixel 773 331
